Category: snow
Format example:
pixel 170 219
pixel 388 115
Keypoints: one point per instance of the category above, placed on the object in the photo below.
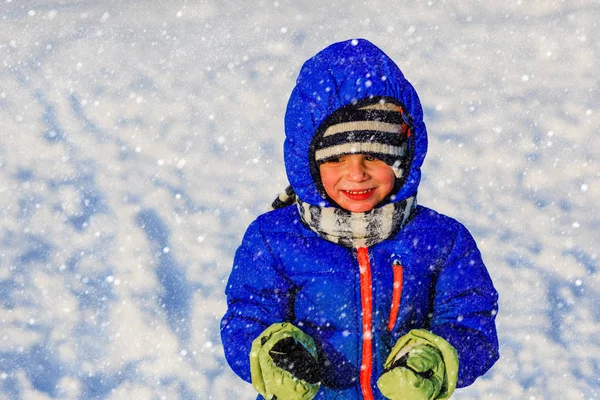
pixel 138 140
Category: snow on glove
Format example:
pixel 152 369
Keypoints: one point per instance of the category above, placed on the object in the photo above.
pixel 421 366
pixel 283 364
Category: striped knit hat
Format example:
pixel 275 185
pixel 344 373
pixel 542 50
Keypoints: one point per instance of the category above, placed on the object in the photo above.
pixel 376 126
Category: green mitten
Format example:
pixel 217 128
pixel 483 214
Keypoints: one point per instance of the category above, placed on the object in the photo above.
pixel 421 366
pixel 283 364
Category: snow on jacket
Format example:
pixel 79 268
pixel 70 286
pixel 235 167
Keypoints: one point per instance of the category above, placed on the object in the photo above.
pixel 430 275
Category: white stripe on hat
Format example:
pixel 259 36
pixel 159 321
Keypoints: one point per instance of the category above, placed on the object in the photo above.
pixel 361 147
pixel 383 106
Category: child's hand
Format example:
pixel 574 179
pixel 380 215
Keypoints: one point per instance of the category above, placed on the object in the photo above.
pixel 283 364
pixel 421 366
pixel 418 374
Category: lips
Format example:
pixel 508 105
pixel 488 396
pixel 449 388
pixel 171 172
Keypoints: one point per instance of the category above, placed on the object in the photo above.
pixel 359 194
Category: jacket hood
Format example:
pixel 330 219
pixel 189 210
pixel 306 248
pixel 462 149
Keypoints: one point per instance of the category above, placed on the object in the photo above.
pixel 341 74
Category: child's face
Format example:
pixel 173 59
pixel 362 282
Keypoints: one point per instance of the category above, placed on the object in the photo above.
pixel 357 182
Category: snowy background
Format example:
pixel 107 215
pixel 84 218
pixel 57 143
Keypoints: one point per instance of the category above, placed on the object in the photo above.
pixel 138 139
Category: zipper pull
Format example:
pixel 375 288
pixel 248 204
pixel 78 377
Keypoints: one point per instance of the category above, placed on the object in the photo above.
pixel 396 294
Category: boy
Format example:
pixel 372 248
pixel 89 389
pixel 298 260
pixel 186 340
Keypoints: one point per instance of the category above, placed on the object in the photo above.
pixel 349 289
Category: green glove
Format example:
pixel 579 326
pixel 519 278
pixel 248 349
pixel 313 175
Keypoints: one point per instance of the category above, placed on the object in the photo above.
pixel 283 364
pixel 421 366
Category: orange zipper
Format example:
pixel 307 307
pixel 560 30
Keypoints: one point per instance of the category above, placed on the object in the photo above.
pixel 396 294
pixel 366 297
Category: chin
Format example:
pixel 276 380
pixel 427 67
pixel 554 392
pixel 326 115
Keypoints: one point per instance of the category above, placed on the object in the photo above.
pixel 359 207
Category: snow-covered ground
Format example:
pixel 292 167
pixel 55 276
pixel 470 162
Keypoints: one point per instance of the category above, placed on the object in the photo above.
pixel 138 139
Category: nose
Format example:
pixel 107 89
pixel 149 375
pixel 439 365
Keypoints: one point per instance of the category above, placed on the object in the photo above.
pixel 356 170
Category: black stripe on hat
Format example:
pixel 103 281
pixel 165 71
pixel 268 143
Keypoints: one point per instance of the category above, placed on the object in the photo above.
pixel 395 139
pixel 351 115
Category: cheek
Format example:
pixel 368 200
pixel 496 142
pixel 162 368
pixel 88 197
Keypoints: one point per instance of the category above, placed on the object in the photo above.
pixel 391 179
pixel 329 178
pixel 387 179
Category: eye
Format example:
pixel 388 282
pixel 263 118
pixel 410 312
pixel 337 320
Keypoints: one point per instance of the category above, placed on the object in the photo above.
pixel 371 158
pixel 333 160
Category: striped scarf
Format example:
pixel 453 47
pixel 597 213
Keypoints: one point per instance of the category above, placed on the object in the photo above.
pixel 356 230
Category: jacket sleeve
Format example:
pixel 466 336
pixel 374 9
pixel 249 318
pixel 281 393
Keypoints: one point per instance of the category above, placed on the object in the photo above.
pixel 258 295
pixel 465 308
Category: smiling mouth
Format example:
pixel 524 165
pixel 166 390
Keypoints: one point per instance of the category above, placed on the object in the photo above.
pixel 365 191
pixel 359 195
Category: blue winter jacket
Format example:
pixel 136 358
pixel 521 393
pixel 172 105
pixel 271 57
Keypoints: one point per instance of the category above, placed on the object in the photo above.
pixel 283 271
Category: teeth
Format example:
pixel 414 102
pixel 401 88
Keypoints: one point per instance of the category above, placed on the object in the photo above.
pixel 359 191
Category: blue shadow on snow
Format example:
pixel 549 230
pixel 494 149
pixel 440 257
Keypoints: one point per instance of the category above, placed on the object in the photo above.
pixel 176 296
